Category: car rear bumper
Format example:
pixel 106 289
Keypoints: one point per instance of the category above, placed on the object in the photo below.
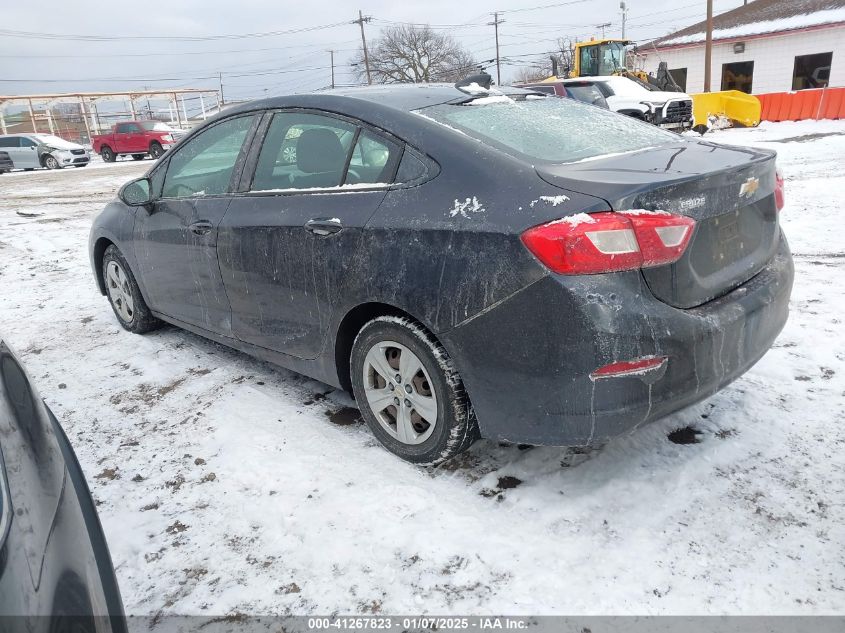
pixel 526 362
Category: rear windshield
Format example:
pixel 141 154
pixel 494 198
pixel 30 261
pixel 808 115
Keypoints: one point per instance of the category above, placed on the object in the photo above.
pixel 549 129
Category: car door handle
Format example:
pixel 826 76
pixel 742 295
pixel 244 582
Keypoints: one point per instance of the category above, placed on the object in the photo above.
pixel 201 228
pixel 323 226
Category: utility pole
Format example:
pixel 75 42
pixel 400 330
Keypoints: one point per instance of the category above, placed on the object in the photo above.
pixel 624 9
pixel 495 24
pixel 603 27
pixel 360 21
pixel 222 101
pixel 331 52
pixel 708 46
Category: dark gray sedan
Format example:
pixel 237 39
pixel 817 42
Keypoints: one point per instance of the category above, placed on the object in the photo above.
pixel 468 263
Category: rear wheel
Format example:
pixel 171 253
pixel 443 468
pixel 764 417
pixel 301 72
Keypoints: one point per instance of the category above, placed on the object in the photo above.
pixel 107 154
pixel 124 295
pixel 156 150
pixel 410 393
pixel 50 162
pixel 138 156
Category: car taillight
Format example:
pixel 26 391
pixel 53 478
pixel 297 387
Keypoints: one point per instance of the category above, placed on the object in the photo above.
pixel 780 198
pixel 606 242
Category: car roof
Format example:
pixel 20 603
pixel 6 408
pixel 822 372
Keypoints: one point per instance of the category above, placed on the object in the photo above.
pixel 405 97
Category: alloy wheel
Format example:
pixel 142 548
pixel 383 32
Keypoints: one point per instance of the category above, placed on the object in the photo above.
pixel 120 293
pixel 399 392
pixel 50 162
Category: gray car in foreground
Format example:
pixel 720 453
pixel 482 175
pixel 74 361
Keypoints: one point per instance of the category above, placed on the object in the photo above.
pixel 55 570
pixel 467 263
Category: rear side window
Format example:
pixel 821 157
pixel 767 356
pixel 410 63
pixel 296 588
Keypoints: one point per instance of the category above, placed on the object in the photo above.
pixel 9 141
pixel 127 128
pixel 411 168
pixel 312 151
pixel 551 130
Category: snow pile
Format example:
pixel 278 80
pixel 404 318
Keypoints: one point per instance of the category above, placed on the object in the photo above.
pixel 552 200
pixel 491 99
pixel 469 205
pixel 574 220
pixel 829 16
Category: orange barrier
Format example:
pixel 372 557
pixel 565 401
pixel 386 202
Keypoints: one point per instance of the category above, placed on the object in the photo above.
pixel 818 103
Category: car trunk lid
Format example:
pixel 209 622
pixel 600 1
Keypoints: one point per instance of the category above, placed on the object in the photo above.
pixel 729 191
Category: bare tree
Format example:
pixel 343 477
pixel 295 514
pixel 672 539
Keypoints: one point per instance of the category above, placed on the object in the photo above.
pixel 415 54
pixel 529 74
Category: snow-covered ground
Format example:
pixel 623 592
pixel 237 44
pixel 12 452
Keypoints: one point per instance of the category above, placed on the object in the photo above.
pixel 228 485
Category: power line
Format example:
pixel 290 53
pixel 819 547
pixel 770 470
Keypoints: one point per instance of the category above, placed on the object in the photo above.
pixel 183 38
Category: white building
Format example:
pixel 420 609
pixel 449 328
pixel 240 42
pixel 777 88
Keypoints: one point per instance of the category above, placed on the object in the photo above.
pixel 761 47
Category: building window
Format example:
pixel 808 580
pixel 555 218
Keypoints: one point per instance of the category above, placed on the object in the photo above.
pixel 737 76
pixel 680 77
pixel 811 71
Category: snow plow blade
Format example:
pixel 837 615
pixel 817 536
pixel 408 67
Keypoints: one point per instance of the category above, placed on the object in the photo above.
pixel 737 108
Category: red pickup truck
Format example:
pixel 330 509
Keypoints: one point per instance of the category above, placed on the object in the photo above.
pixel 135 138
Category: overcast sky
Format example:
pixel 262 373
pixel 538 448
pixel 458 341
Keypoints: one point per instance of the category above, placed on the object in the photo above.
pixel 289 61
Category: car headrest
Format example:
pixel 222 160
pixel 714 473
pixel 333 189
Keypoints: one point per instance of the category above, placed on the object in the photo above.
pixel 319 150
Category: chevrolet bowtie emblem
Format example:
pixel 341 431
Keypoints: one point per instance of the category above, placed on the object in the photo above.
pixel 749 187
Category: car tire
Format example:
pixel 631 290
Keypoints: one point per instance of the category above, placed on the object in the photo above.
pixel 156 150
pixel 107 154
pixel 430 382
pixel 51 162
pixel 138 156
pixel 124 295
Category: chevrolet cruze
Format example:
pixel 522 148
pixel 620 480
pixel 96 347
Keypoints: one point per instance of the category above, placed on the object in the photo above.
pixel 467 263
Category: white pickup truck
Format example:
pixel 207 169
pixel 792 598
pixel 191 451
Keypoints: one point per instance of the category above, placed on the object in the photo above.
pixel 670 110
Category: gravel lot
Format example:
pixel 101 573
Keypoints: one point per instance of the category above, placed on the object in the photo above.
pixel 227 485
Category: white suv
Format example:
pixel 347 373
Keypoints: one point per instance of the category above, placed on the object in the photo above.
pixel 670 110
pixel 30 151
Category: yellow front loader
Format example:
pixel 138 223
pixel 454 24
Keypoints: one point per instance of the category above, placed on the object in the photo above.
pixel 711 109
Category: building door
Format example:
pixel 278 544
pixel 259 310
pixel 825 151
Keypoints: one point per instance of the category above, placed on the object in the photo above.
pixel 738 76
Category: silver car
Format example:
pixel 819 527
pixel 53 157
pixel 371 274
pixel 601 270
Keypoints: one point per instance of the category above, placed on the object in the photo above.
pixel 31 151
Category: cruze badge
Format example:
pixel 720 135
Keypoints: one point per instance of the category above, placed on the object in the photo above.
pixel 749 187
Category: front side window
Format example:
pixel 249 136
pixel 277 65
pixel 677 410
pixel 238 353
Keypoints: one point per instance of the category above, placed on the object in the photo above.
pixel 204 165
pixel 551 130
pixel 28 142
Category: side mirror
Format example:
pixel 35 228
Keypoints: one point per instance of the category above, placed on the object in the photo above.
pixel 137 193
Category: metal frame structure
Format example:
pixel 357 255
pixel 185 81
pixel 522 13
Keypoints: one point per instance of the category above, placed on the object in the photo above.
pixel 88 107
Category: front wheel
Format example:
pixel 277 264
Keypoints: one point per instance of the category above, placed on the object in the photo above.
pixel 156 150
pixel 51 162
pixel 124 295
pixel 410 393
